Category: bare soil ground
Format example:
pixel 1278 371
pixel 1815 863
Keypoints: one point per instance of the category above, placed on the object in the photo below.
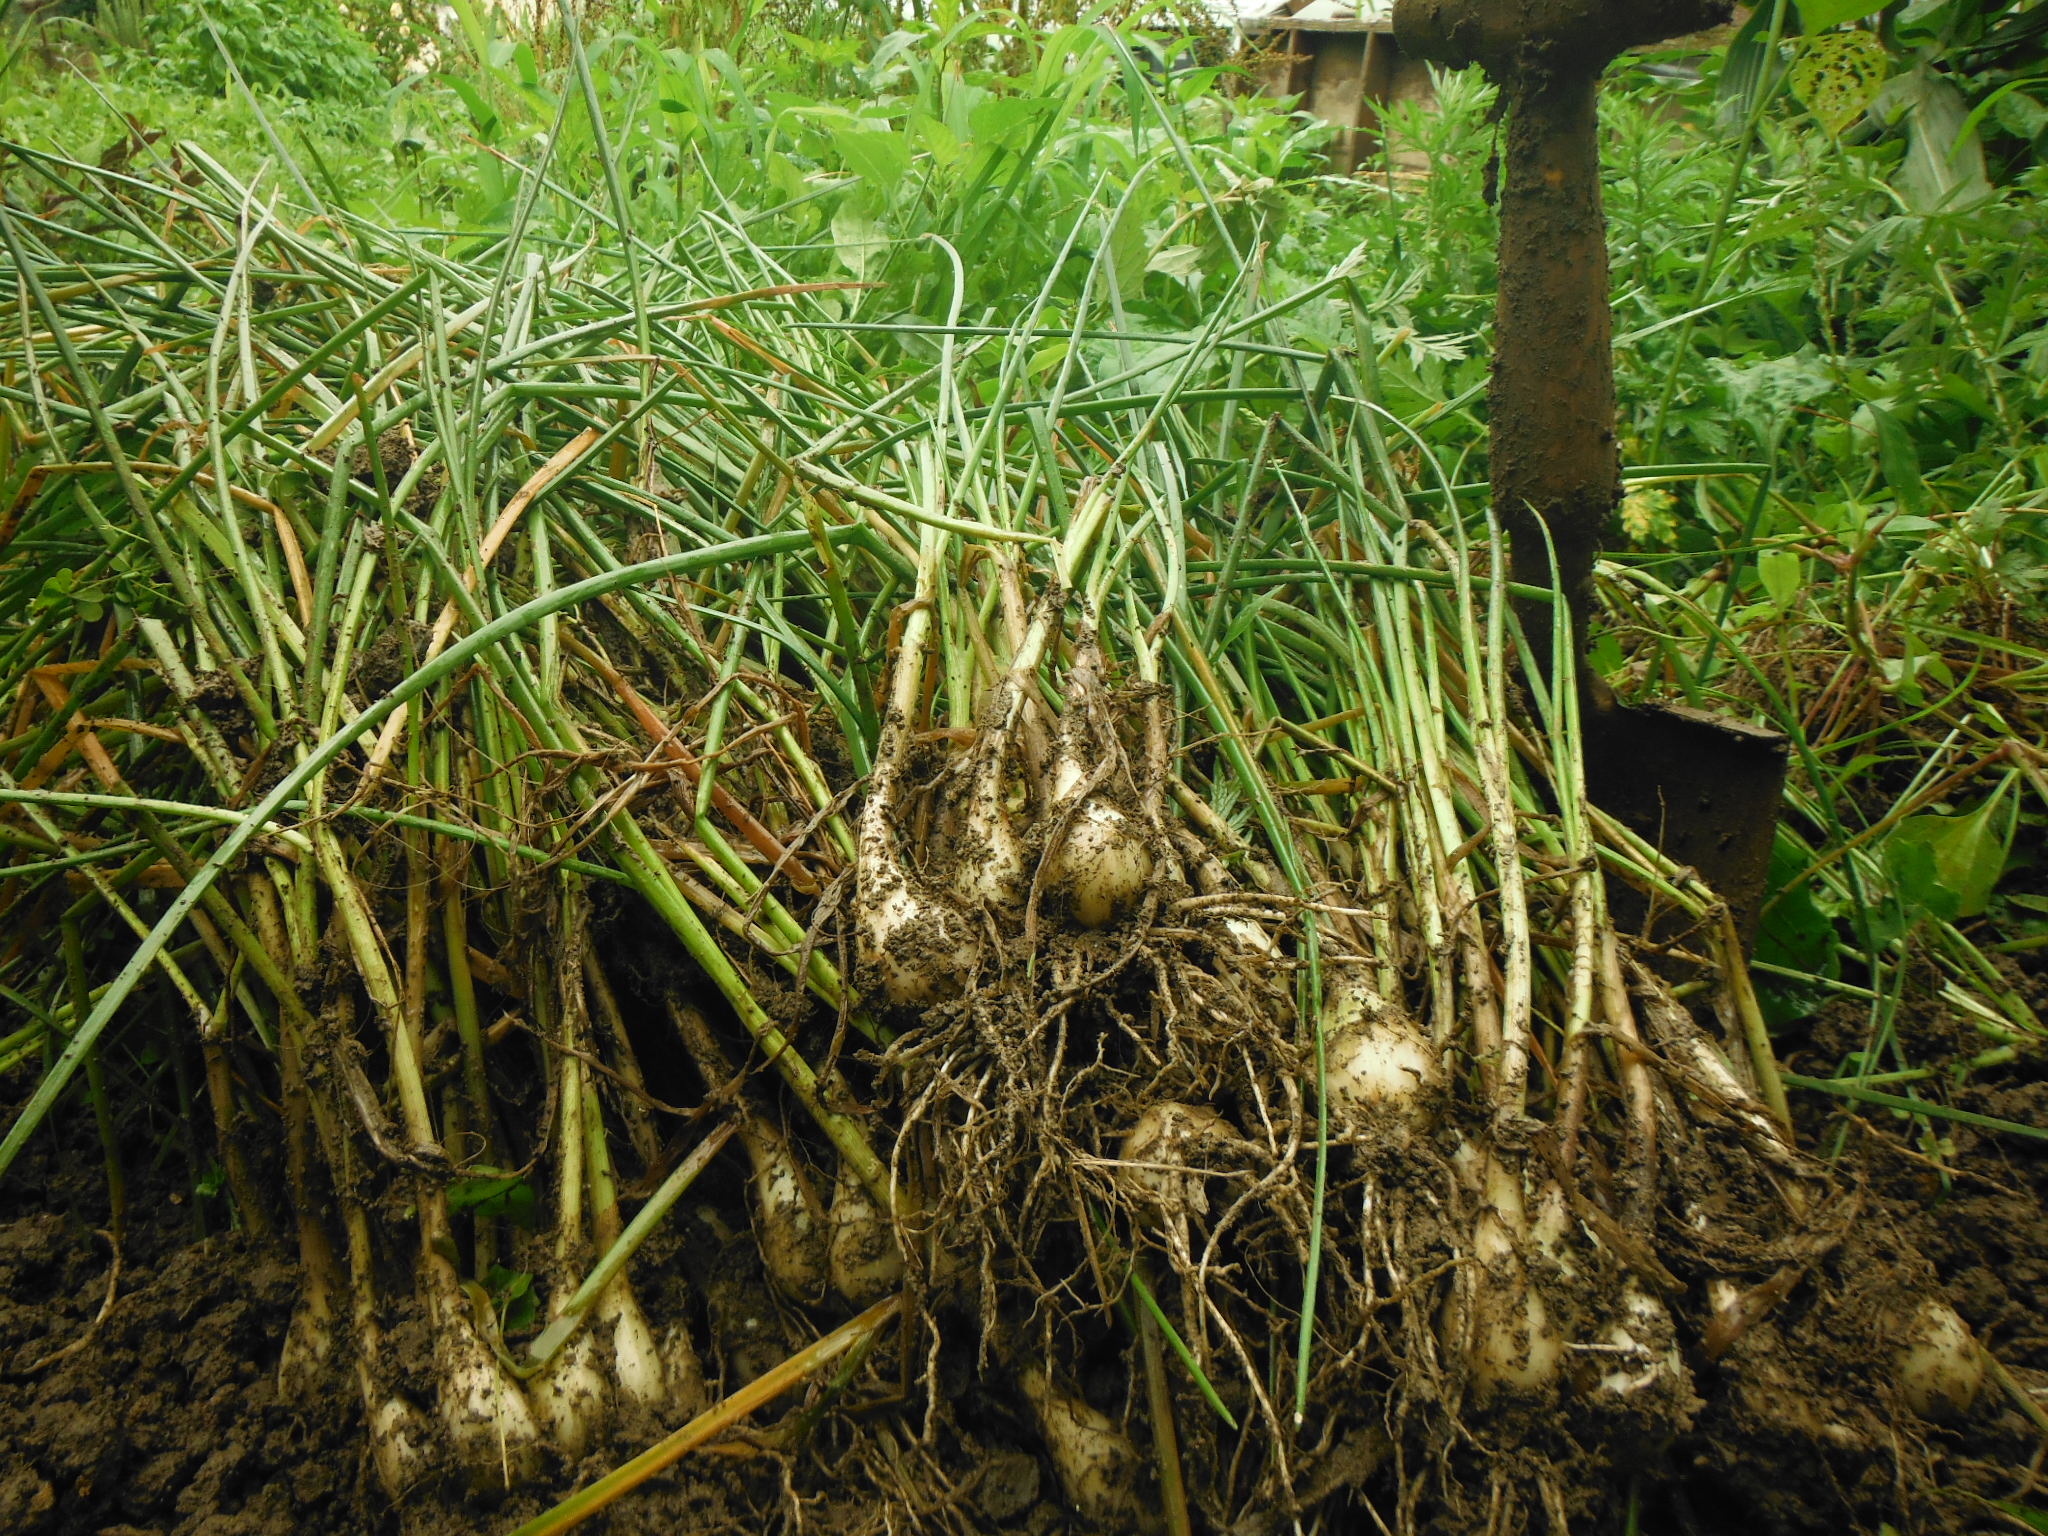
pixel 160 1413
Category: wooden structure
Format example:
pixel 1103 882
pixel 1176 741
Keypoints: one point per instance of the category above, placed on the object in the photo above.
pixel 1340 58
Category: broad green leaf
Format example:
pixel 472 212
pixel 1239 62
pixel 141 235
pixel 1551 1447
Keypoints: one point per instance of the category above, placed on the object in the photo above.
pixel 934 135
pixel 1796 934
pixel 1047 358
pixel 2019 114
pixel 1837 75
pixel 1968 396
pixel 509 1197
pixel 1129 247
pixel 784 175
pixel 1750 69
pixel 1606 656
pixel 829 50
pixel 482 115
pixel 1948 864
pixel 1781 572
pixel 1899 460
pixel 878 157
pixel 1176 260
pixel 1767 394
pixel 512 1290
pixel 1910 863
pixel 859 242
pixel 1944 166
pixel 897 45
pixel 994 119
pixel 1776 386
pixel 1819 15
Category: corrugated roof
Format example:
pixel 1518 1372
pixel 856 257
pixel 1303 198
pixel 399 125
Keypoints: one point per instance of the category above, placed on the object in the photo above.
pixel 1376 11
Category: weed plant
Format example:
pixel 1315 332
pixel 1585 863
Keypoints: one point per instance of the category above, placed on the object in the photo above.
pixel 486 661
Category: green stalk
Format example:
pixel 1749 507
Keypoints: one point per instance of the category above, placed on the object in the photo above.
pixel 457 656
pixel 95 1080
pixel 652 878
pixel 638 1230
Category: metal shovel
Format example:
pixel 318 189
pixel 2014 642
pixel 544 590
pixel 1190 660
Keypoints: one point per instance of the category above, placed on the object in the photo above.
pixel 1705 789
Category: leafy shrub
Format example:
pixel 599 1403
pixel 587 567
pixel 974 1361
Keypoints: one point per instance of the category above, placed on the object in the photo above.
pixel 297 48
pixel 399 32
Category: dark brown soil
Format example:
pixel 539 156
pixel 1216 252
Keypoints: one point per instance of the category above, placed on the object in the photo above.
pixel 165 1416
pixel 165 1419
pixel 1750 1463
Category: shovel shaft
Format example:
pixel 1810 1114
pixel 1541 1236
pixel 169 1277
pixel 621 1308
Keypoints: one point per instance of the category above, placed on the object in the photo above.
pixel 1555 465
pixel 1706 791
pixel 1556 469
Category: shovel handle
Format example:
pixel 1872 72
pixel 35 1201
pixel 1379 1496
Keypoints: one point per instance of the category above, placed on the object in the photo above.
pixel 1555 463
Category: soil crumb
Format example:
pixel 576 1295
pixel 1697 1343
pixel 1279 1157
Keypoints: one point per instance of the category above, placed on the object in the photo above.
pixel 164 1417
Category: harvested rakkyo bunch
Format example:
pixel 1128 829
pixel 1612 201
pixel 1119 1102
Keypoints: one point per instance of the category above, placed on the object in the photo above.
pixel 1095 860
pixel 1175 959
pixel 1066 839
pixel 914 935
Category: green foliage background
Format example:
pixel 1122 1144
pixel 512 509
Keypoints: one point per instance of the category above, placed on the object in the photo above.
pixel 299 48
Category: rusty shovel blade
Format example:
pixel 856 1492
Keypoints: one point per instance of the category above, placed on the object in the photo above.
pixel 1704 789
